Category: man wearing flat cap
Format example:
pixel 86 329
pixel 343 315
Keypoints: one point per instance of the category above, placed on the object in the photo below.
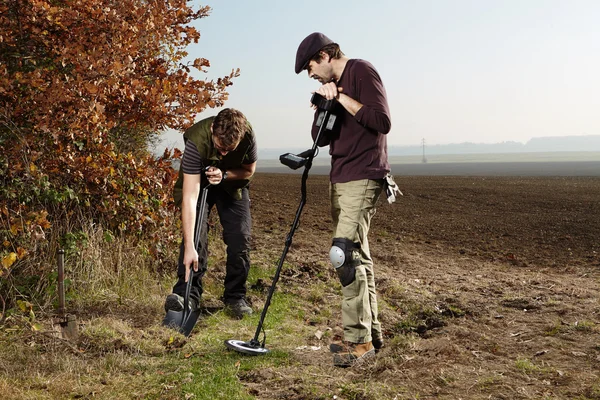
pixel 359 167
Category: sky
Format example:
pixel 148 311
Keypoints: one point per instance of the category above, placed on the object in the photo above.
pixel 481 71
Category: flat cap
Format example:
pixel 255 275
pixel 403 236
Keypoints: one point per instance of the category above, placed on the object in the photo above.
pixel 308 48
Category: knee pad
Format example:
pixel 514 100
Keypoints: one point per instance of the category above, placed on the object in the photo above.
pixel 341 256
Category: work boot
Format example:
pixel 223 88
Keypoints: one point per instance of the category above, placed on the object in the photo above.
pixel 336 347
pixel 357 353
pixel 174 302
pixel 339 347
pixel 238 308
pixel 378 344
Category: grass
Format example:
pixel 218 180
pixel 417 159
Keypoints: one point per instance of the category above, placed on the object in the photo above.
pixel 583 326
pixel 113 358
pixel 488 382
pixel 529 368
pixel 526 366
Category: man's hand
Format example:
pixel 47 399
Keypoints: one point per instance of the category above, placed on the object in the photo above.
pixel 190 258
pixel 214 175
pixel 332 91
pixel 329 91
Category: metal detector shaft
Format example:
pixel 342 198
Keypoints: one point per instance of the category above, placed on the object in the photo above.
pixel 288 242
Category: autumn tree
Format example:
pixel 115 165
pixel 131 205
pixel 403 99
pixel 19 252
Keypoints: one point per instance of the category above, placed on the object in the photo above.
pixel 84 85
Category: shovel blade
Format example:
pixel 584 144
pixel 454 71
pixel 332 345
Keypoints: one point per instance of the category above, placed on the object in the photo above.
pixel 173 319
pixel 190 322
pixel 180 322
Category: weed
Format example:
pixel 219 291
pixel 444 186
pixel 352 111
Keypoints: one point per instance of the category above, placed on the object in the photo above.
pixel 560 327
pixel 402 342
pixel 352 392
pixel 450 310
pixel 555 329
pixel 594 391
pixel 394 291
pixel 445 380
pixel 317 293
pixel 526 366
pixel 584 326
pixel 420 320
pixel 489 381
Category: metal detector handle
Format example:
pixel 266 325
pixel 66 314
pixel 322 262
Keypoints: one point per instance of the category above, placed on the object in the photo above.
pixel 322 103
pixel 200 210
pixel 313 150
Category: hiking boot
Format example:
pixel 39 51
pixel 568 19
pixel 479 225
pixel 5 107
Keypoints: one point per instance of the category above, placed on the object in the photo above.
pixel 175 302
pixel 336 347
pixel 238 308
pixel 340 347
pixel 357 354
pixel 378 344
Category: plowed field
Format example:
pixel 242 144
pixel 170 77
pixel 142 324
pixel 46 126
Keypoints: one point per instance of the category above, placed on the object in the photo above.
pixel 488 286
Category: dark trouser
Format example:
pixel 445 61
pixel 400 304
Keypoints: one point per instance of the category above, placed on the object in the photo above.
pixel 237 225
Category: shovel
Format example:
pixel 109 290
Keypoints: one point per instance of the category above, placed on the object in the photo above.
pixel 184 321
pixel 66 324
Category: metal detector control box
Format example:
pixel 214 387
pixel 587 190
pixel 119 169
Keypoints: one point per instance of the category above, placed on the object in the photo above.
pixel 325 108
pixel 295 161
pixel 292 160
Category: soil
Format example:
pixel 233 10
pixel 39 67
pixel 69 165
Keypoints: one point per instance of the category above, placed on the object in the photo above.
pixel 488 288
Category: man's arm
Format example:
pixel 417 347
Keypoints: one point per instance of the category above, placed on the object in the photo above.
pixel 191 190
pixel 351 105
pixel 331 90
pixel 244 171
pixel 372 111
pixel 375 112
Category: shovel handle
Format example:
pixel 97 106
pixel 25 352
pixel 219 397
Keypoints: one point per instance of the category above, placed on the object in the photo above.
pixel 61 282
pixel 200 211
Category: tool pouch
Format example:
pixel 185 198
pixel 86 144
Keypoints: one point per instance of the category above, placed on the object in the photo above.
pixel 391 188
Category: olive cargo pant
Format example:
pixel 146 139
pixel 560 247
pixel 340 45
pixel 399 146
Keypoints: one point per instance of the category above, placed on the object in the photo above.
pixel 352 207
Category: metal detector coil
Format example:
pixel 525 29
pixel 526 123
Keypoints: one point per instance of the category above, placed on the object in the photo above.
pixel 294 161
pixel 246 347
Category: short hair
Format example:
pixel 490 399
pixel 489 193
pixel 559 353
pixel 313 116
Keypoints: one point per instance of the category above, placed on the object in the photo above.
pixel 230 126
pixel 332 50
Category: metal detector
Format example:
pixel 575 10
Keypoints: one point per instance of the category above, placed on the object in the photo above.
pixel 185 320
pixel 325 121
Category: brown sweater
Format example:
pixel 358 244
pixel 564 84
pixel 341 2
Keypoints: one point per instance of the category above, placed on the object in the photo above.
pixel 359 150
